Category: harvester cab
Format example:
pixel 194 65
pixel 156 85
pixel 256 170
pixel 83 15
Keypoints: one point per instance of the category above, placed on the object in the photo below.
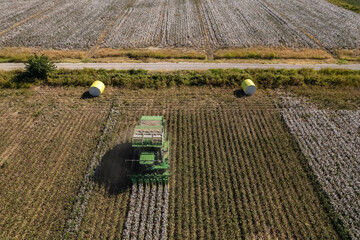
pixel 150 152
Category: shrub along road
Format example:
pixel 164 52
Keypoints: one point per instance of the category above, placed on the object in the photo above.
pixel 184 66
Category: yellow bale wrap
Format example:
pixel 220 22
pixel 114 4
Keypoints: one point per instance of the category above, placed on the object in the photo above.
pixel 249 87
pixel 96 88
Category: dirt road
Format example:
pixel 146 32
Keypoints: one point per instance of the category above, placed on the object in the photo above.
pixel 183 66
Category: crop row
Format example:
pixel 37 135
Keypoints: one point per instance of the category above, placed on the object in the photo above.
pixel 49 137
pixel 328 25
pixel 148 213
pixel 183 23
pixel 280 23
pixel 173 24
pixel 87 185
pixel 330 139
pixel 237 175
pixel 249 23
pixel 38 182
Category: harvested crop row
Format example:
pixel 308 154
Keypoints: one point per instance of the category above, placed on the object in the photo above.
pixel 110 198
pixel 173 23
pixel 44 170
pixel 10 139
pixel 87 185
pixel 73 24
pixel 330 140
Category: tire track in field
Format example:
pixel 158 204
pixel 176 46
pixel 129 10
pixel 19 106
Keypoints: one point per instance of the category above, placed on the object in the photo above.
pixel 87 185
pixel 208 49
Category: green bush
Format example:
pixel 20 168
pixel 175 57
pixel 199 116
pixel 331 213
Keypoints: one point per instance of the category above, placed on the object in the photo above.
pixel 39 67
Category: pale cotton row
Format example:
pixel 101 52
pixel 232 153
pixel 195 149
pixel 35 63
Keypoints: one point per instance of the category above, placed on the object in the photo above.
pixel 148 213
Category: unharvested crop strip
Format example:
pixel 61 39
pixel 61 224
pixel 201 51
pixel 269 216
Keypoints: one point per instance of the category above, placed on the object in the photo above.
pixel 150 222
pixel 147 213
pixel 3 32
pixel 331 153
pixel 78 211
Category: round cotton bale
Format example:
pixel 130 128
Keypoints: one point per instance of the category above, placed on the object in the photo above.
pixel 96 88
pixel 249 87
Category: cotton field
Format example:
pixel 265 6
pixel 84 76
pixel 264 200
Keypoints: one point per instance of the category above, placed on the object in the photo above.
pixel 330 140
pixel 177 23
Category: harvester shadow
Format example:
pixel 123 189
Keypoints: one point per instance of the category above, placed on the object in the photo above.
pixel 239 93
pixel 86 95
pixel 111 172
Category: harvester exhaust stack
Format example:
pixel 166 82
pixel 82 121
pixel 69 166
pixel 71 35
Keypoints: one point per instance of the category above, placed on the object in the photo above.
pixel 151 152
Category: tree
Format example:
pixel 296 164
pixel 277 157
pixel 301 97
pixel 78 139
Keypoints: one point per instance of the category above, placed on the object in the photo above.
pixel 39 67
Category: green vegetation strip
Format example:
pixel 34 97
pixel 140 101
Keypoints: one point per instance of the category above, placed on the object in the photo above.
pixel 135 79
pixel 353 5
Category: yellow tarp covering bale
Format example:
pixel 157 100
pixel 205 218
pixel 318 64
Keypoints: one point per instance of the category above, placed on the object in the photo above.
pixel 96 88
pixel 249 87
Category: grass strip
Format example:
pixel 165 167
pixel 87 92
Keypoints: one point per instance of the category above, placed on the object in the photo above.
pixel 139 79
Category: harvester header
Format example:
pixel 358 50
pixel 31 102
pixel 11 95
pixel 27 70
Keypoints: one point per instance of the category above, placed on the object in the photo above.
pixel 150 151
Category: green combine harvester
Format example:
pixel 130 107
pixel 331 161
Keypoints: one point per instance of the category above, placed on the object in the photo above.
pixel 150 152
